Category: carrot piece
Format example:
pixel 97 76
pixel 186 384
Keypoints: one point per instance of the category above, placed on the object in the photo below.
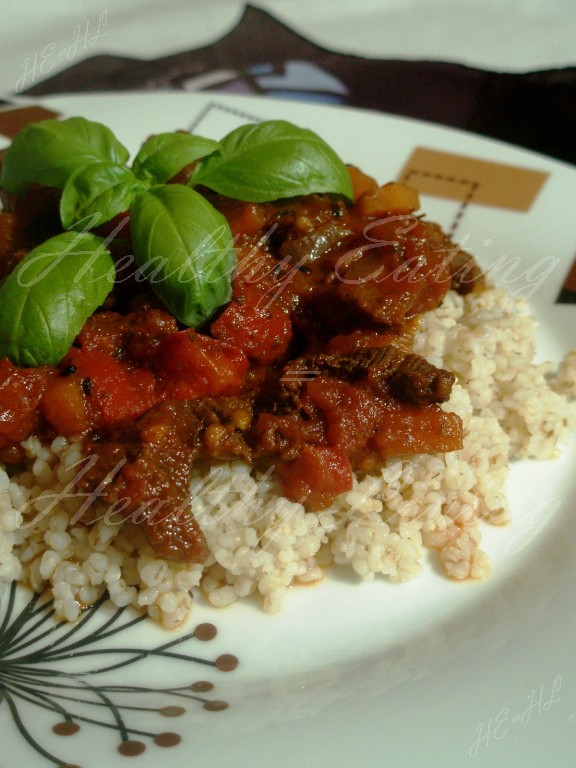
pixel 361 182
pixel 389 198
pixel 63 405
pixel 408 431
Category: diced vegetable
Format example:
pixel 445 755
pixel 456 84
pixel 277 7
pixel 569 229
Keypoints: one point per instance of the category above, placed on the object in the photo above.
pixel 351 414
pixel 255 323
pixel 64 407
pixel 391 198
pixel 316 476
pixel 405 432
pixel 20 394
pixel 361 182
pixel 113 391
pixel 192 365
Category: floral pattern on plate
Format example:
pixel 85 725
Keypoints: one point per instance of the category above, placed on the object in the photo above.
pixel 58 667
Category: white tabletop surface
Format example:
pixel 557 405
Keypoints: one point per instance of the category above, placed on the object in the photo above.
pixel 41 38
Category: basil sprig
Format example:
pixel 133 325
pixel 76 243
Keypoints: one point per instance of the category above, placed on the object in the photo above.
pixel 47 152
pixel 182 245
pixel 164 155
pixel 271 160
pixel 96 193
pixel 45 300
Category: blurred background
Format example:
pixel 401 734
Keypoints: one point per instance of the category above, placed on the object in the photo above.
pixel 501 68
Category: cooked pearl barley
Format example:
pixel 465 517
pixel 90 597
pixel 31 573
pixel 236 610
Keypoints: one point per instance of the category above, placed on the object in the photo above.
pixel 11 519
pixel 19 495
pixel 155 572
pixel 58 540
pixel 222 596
pixel 48 564
pixel 121 594
pixel 261 543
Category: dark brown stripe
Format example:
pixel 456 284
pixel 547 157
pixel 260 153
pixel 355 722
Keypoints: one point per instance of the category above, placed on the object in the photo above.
pixel 13 120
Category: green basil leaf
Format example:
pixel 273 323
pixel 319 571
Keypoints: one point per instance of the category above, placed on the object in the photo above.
pixel 48 151
pixel 271 160
pixel 164 155
pixel 46 299
pixel 96 193
pixel 184 248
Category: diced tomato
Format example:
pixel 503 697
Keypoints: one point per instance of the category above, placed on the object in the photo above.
pixel 20 392
pixel 316 476
pixel 113 391
pixel 351 414
pixel 103 332
pixel 255 322
pixel 192 365
pixel 135 335
pixel 407 431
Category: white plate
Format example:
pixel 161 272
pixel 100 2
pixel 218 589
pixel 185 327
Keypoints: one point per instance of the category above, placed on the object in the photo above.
pixel 428 673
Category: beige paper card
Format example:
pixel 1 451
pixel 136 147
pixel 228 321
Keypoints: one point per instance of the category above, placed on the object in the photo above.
pixel 471 180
